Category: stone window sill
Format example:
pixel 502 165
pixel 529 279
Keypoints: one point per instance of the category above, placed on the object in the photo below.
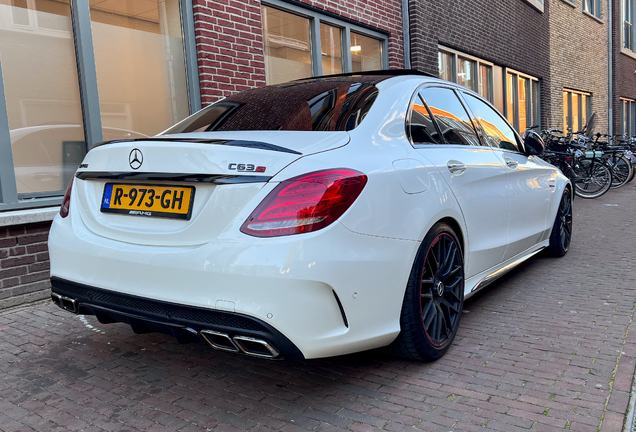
pixel 593 17
pixel 21 217
pixel 537 4
pixel 569 3
pixel 628 53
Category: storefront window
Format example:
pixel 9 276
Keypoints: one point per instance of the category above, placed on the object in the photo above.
pixel 287 46
pixel 366 53
pixel 140 66
pixel 331 46
pixel 42 94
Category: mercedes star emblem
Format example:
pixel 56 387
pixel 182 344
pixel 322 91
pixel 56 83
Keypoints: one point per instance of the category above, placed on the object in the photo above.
pixel 136 158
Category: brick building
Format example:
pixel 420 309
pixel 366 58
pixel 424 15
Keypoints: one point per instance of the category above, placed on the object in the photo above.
pixel 623 67
pixel 73 73
pixel 500 49
pixel 578 84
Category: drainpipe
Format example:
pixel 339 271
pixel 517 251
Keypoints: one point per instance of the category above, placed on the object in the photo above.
pixel 406 35
pixel 610 93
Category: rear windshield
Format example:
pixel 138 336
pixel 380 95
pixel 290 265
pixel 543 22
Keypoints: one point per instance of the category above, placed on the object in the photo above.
pixel 332 104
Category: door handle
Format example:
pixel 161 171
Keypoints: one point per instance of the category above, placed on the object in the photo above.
pixel 456 167
pixel 511 163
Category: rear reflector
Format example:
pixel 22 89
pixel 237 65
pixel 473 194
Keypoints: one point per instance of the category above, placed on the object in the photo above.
pixel 305 203
pixel 66 202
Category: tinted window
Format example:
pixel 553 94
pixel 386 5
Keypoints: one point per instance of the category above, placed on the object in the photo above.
pixel 311 105
pixel 451 117
pixel 423 130
pixel 498 133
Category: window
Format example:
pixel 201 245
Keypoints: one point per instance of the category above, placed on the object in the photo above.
pixel 451 116
pixel 312 105
pixel 514 94
pixel 577 107
pixel 628 117
pixel 593 7
pixel 497 132
pixel 522 100
pixel 140 63
pixel 628 24
pixel 64 91
pixel 468 71
pixel 422 127
pixel 300 43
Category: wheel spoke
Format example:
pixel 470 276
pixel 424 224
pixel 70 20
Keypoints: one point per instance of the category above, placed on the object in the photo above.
pixel 428 316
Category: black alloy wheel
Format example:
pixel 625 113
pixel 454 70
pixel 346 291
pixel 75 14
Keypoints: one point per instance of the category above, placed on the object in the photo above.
pixel 434 297
pixel 440 290
pixel 561 235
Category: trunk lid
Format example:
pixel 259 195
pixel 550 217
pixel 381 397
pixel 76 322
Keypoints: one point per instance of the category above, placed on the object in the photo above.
pixel 226 170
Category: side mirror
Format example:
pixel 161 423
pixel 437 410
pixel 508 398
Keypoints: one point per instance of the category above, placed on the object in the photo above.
pixel 533 144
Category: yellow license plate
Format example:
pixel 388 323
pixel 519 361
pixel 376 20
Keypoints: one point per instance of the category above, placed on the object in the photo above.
pixel 148 200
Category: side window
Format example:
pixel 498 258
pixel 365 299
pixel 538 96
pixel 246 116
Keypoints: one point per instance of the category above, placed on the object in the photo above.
pixel 452 119
pixel 423 130
pixel 498 133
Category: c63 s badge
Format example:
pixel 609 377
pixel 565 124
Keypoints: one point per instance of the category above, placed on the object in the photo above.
pixel 246 168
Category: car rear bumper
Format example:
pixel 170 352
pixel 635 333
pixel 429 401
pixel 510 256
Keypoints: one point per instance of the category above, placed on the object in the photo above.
pixel 185 323
pixel 326 293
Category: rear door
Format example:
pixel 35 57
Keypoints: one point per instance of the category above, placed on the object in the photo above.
pixel 443 133
pixel 530 180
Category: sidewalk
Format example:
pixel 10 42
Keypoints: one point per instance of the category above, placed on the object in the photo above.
pixel 546 348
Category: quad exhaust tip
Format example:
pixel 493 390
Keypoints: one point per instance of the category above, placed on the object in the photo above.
pixel 243 344
pixel 64 302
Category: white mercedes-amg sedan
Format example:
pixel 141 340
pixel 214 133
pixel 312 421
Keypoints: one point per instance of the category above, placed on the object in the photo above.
pixel 309 219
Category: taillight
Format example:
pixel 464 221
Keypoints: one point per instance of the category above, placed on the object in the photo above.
pixel 66 202
pixel 305 203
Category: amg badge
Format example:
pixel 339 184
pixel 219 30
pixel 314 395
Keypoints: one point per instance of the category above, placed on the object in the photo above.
pixel 246 167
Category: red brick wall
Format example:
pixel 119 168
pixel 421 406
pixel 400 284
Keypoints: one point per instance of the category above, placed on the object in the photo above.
pixel 24 264
pixel 229 39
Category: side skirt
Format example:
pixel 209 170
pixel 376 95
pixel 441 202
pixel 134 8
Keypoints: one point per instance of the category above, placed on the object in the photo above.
pixel 484 279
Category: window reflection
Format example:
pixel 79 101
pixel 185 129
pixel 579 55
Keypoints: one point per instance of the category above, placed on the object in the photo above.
pixel 445 64
pixel 318 105
pixel 523 103
pixel 423 130
pixel 498 132
pixel 450 115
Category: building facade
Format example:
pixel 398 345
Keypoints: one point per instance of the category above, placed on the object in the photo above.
pixel 498 48
pixel 579 78
pixel 624 67
pixel 73 73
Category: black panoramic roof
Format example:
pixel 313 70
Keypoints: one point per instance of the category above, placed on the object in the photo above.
pixel 383 72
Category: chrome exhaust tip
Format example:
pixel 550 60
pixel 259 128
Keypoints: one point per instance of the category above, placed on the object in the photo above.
pixel 256 347
pixel 220 341
pixel 65 303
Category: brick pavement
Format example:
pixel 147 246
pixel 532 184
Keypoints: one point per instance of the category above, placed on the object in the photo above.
pixel 545 348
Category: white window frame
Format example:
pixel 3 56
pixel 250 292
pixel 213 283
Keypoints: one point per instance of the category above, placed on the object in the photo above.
pixel 628 47
pixel 347 27
pixel 596 8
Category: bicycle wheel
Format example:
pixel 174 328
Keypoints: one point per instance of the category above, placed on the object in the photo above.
pixel 622 170
pixel 591 179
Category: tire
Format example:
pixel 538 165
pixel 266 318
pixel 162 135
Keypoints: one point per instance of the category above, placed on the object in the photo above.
pixel 592 181
pixel 561 235
pixel 423 303
pixel 622 171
